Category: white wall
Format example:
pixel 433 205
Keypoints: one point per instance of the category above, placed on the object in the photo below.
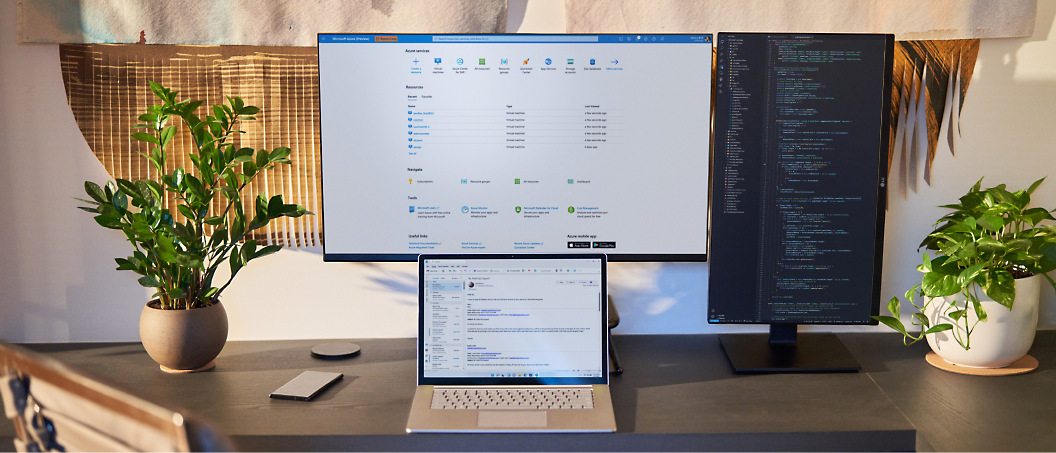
pixel 57 281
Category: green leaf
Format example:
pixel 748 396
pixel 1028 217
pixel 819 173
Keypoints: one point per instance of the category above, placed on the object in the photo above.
pixel 219 237
pixel 275 207
pixel 165 249
pixel 188 260
pixel 120 202
pixel 978 184
pixel 893 307
pixel 968 251
pixel 268 250
pixel 187 212
pixel 219 112
pixel 249 169
pixel 149 282
pixel 262 158
pixel 229 192
pixel 208 293
pixel 938 328
pixel 279 153
pixel 969 274
pixel 194 185
pixel 1019 244
pixel 956 228
pixel 980 314
pixel 991 222
pixel 243 155
pixel 145 137
pixel 95 192
pixel 935 284
pixel 1000 286
pixel 1033 216
pixel 248 249
pixel 187 112
pixel 1034 186
pixel 158 90
pixel 236 260
pixel 956 315
pixel 238 223
pixel 178 180
pixel 176 293
pixel 125 265
pixel 990 245
pixel 973 199
pixel 215 220
pixel 893 323
pixel 923 320
pixel 167 134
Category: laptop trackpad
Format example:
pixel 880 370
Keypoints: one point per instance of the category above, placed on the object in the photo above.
pixel 511 419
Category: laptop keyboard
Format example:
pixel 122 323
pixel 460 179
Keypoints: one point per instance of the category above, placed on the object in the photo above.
pixel 513 398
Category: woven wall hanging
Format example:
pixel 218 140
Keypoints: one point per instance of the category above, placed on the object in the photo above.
pixel 106 87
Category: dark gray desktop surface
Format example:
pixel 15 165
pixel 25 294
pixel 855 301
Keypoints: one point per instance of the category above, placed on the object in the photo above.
pixel 677 393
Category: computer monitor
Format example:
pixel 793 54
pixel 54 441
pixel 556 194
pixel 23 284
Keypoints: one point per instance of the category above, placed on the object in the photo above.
pixel 439 143
pixel 799 192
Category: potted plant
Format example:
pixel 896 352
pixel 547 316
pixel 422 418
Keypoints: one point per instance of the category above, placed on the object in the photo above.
pixel 184 327
pixel 984 284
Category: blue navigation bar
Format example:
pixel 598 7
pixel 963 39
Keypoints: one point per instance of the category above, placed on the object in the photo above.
pixel 514 38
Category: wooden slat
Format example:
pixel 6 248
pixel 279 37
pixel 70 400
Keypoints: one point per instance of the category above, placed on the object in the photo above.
pixel 106 87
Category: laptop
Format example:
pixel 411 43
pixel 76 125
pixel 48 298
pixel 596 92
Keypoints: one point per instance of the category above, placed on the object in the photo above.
pixel 512 343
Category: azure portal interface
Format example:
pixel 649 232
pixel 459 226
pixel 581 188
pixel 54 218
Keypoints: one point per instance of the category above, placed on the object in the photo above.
pixel 515 143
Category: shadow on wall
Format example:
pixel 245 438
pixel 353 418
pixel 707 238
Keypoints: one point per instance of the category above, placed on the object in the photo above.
pixel 660 298
pixel 1033 118
pixel 515 11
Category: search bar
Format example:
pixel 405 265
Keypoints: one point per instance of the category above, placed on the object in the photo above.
pixel 509 38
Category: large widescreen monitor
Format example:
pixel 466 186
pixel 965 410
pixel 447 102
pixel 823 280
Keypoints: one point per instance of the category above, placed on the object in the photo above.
pixel 515 144
pixel 801 138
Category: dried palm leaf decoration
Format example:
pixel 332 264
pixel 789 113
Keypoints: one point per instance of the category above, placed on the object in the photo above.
pixel 930 80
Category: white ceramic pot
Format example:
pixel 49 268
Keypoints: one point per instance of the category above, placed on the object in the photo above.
pixel 1003 338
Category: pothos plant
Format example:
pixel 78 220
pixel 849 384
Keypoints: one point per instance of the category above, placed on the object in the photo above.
pixel 179 259
pixel 989 240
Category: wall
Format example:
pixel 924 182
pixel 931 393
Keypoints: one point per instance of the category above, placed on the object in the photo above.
pixel 57 281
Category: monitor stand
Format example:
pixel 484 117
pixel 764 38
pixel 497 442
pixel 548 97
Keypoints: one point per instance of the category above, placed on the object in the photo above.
pixel 783 352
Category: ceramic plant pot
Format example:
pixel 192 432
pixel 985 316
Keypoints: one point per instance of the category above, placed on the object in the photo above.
pixel 183 340
pixel 1003 338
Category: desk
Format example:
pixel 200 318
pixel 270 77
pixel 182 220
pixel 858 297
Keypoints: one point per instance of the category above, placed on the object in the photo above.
pixel 677 394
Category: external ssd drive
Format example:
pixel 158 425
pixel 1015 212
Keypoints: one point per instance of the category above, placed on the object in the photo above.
pixel 306 386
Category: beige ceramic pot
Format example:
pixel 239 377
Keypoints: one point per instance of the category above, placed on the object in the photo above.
pixel 1003 338
pixel 183 340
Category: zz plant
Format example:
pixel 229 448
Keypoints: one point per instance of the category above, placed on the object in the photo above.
pixel 990 239
pixel 179 259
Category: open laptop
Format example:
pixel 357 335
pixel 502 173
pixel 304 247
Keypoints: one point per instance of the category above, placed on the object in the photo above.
pixel 512 343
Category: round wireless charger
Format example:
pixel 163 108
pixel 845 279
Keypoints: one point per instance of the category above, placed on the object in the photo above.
pixel 334 351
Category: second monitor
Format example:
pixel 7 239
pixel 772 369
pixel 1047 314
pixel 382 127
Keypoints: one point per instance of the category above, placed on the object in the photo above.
pixel 801 137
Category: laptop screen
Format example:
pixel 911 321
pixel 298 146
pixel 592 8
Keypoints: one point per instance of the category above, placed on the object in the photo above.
pixel 519 319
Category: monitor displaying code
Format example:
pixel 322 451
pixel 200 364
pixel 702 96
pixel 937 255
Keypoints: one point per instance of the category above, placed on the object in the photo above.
pixel 800 165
